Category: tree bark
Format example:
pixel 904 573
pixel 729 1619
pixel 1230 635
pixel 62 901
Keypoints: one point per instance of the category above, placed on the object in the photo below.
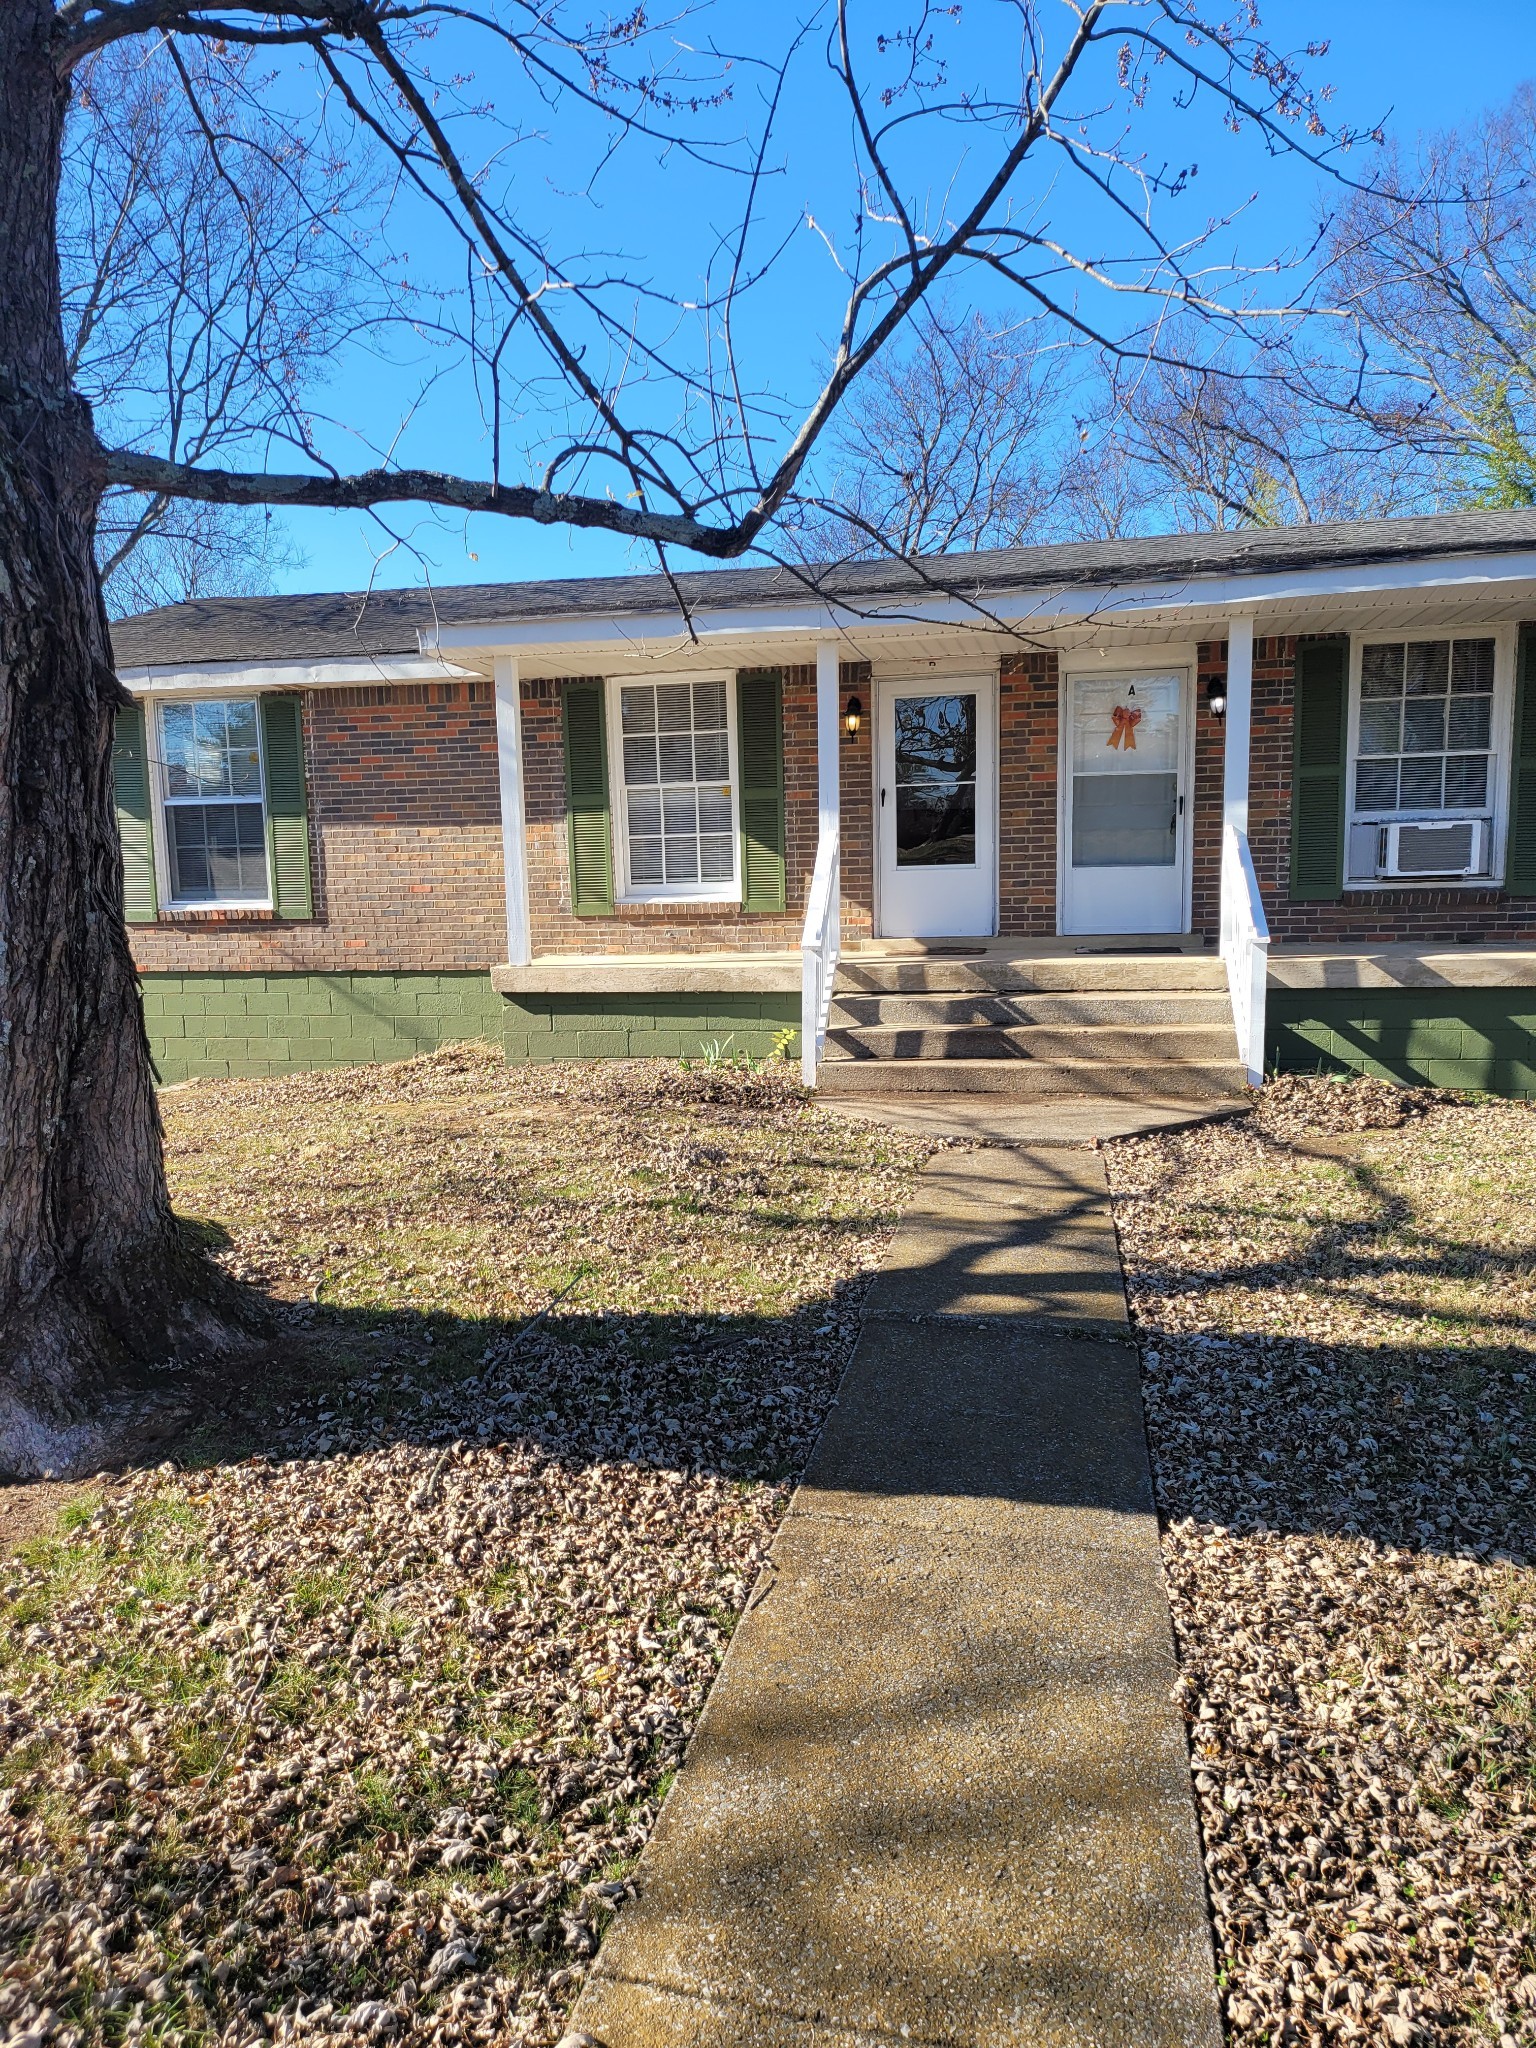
pixel 96 1282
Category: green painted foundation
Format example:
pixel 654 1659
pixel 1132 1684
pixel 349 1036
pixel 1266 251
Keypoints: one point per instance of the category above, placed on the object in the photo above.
pixel 204 1025
pixel 1481 1038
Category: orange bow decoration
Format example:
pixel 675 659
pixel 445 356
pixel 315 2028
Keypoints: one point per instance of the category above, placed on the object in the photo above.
pixel 1126 721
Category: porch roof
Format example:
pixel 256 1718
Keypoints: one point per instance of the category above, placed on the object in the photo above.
pixel 1432 572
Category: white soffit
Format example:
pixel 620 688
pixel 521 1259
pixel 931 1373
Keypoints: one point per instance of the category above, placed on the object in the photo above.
pixel 1404 595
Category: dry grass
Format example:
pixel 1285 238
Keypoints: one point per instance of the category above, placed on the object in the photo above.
pixel 1337 1337
pixel 351 1725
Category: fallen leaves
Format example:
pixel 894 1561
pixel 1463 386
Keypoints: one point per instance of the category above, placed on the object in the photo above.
pixel 356 1737
pixel 1340 1397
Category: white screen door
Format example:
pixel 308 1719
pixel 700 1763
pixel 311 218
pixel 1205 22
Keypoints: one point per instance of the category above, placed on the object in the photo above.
pixel 1125 830
pixel 935 809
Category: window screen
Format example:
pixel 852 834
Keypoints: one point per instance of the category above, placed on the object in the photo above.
pixel 216 841
pixel 679 813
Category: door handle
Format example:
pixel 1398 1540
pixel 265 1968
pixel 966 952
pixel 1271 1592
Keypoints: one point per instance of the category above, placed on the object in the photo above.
pixel 882 799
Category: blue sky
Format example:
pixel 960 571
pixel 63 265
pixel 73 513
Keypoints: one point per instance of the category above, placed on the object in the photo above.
pixel 1398 60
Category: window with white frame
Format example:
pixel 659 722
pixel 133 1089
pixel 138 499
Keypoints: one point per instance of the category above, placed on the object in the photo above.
pixel 677 813
pixel 1426 758
pixel 212 801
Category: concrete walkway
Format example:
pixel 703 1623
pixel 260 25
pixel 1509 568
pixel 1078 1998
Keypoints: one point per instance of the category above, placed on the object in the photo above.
pixel 940 1792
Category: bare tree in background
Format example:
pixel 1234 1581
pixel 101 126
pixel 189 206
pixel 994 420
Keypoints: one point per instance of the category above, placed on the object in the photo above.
pixel 1436 262
pixel 1250 438
pixel 627 393
pixel 209 265
pixel 946 443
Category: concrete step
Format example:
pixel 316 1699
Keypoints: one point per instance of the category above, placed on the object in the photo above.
pixel 1122 1008
pixel 1144 1080
pixel 1068 973
pixel 1140 1044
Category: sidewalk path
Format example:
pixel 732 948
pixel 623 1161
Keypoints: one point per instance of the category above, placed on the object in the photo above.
pixel 940 1791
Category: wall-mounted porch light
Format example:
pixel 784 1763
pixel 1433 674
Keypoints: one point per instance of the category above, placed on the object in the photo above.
pixel 1216 696
pixel 853 717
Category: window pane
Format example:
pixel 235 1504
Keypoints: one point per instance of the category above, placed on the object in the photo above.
pixel 1428 668
pixel 637 709
pixel 682 860
pixel 1472 665
pixel 1466 781
pixel 674 707
pixel 639 761
pixel 1381 671
pixel 936 825
pixel 243 749
pixel 708 706
pixel 178 743
pixel 935 737
pixel 1376 786
pixel 679 811
pixel 715 810
pixel 711 757
pixel 1381 726
pixel 676 755
pixel 218 852
pixel 645 860
pixel 1424 725
pixel 645 810
pixel 1124 821
pixel 1420 787
pixel 1470 721
pixel 717 857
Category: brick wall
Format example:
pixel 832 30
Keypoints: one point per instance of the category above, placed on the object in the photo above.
pixel 1370 916
pixel 1029 726
pixel 405 845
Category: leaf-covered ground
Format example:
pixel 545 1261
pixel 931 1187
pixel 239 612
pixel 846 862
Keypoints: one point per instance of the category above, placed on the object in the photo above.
pixel 1337 1324
pixel 349 1724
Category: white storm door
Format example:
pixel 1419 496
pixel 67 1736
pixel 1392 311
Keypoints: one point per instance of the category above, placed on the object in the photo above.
pixel 936 808
pixel 1125 828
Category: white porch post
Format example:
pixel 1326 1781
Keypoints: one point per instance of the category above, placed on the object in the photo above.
pixel 1234 786
pixel 1244 932
pixel 820 941
pixel 514 842
pixel 829 765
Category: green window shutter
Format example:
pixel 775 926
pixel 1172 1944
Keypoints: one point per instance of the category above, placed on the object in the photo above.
pixel 1520 848
pixel 131 793
pixel 1319 770
pixel 282 746
pixel 589 824
pixel 760 745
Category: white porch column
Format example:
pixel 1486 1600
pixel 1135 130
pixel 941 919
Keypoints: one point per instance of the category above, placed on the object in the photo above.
pixel 514 840
pixel 1239 740
pixel 829 764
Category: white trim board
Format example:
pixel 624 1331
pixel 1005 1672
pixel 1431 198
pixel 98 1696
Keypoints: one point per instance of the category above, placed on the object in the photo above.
pixel 245 676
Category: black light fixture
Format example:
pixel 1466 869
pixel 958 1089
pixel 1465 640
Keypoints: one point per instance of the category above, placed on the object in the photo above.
pixel 853 718
pixel 1216 696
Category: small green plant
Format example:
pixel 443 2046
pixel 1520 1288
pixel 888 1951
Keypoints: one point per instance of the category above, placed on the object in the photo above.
pixel 784 1043
pixel 715 1054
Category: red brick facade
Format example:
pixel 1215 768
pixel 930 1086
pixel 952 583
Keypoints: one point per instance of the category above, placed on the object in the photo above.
pixel 405 846
pixel 407 857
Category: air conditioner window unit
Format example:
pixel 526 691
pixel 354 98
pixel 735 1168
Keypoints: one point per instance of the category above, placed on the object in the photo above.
pixel 1453 846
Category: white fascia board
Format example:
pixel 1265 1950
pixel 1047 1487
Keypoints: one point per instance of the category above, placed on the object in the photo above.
pixel 219 676
pixel 1061 605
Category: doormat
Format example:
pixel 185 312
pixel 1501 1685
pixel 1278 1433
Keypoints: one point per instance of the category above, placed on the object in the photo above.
pixel 1138 951
pixel 955 953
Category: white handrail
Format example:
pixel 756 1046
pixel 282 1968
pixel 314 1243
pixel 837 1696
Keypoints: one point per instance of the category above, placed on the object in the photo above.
pixel 820 950
pixel 1244 948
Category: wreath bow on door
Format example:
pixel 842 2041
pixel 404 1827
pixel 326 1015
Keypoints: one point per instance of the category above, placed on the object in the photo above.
pixel 1123 732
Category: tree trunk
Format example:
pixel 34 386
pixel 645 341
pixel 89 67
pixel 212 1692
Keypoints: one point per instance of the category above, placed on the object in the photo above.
pixel 95 1280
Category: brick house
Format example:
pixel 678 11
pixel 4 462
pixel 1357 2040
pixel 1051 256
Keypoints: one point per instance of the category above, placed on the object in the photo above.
pixel 1143 815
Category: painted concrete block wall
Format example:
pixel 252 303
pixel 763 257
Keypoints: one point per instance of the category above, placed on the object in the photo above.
pixel 1483 1038
pixel 204 1026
